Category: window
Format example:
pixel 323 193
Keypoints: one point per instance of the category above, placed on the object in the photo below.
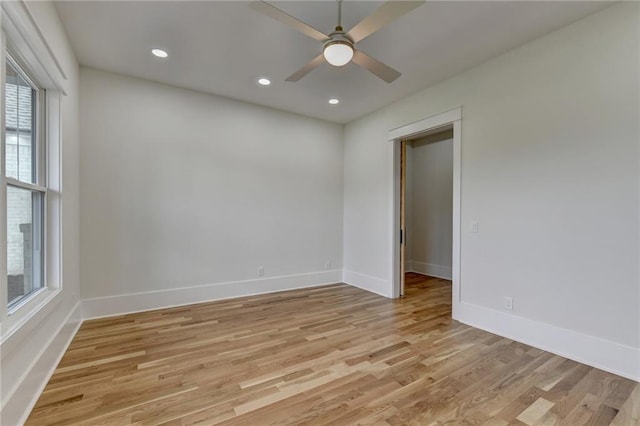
pixel 26 191
pixel 32 89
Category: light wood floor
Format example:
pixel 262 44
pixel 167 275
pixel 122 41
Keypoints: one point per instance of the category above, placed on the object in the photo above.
pixel 333 355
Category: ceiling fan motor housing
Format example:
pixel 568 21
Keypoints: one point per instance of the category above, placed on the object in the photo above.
pixel 338 37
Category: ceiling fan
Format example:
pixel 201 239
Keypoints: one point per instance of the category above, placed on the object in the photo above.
pixel 339 46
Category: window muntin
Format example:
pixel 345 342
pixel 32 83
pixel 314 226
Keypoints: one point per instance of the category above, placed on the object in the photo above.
pixel 26 193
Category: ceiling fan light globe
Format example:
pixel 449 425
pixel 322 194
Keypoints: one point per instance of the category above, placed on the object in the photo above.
pixel 338 53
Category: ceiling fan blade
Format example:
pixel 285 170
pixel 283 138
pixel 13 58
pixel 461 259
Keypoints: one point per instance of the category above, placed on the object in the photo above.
pixel 285 18
pixel 374 66
pixel 382 16
pixel 307 68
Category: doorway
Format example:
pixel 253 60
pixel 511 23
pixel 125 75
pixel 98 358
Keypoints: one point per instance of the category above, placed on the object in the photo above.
pixel 424 130
pixel 427 210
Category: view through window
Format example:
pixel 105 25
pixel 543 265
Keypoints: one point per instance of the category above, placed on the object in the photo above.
pixel 25 190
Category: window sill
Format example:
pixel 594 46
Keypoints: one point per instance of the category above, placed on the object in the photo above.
pixel 26 310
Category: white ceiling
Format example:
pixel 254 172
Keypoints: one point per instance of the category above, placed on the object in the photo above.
pixel 222 47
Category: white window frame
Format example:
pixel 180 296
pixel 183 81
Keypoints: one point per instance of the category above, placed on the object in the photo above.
pixel 32 63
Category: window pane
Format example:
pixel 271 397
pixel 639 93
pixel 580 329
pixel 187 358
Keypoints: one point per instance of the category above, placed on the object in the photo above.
pixel 24 242
pixel 20 101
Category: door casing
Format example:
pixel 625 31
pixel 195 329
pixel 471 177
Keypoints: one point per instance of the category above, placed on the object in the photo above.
pixel 431 124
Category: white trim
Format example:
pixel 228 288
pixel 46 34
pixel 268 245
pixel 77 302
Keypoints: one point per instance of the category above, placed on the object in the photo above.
pixel 429 123
pixel 18 403
pixel 43 40
pixel 456 257
pixel 394 214
pixel 395 136
pixel 14 339
pixel 606 355
pixel 26 311
pixel 27 41
pixel 367 282
pixel 394 228
pixel 3 192
pixel 53 204
pixel 430 269
pixel 138 302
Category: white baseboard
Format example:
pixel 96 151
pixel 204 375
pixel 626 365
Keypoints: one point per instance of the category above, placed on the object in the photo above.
pixel 606 355
pixel 138 302
pixel 19 404
pixel 367 282
pixel 433 270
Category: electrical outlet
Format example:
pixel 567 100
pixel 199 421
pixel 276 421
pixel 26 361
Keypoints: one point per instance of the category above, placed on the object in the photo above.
pixel 261 271
pixel 327 265
pixel 508 303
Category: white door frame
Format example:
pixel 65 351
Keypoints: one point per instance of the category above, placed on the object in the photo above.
pixel 412 130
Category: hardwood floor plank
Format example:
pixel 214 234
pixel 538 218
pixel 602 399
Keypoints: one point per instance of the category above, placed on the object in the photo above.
pixel 332 355
pixel 629 413
pixel 535 411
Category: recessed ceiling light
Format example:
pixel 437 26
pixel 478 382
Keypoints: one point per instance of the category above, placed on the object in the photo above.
pixel 264 81
pixel 159 53
pixel 334 101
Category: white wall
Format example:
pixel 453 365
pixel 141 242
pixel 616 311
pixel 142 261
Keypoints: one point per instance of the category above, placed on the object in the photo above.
pixel 45 333
pixel 182 189
pixel 429 206
pixel 550 172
